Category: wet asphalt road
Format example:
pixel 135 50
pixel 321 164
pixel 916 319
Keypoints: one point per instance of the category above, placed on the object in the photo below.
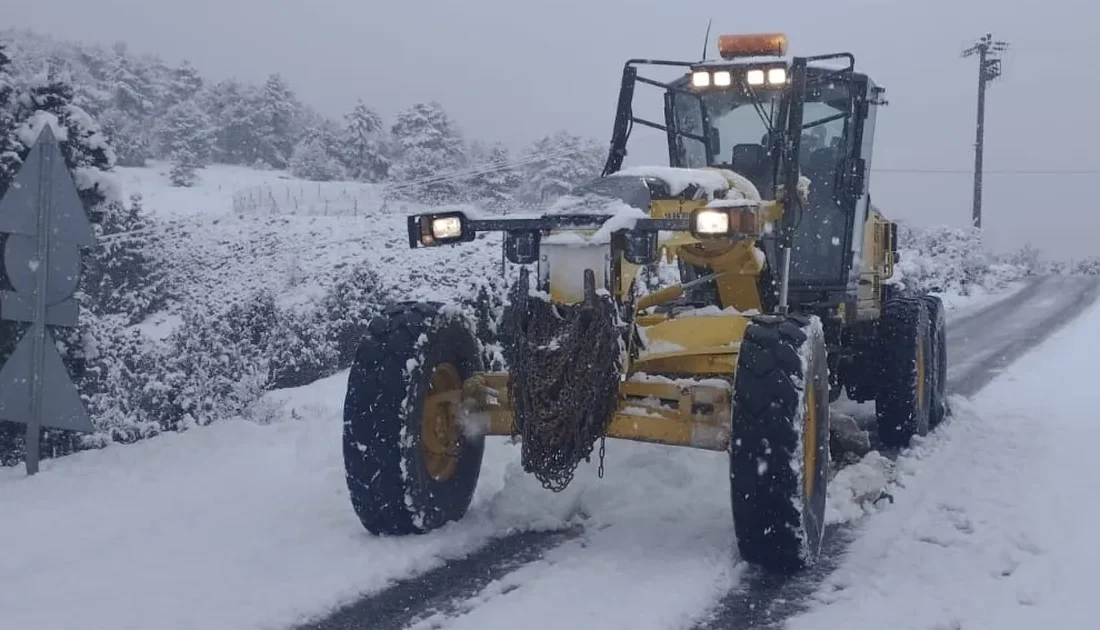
pixel 981 344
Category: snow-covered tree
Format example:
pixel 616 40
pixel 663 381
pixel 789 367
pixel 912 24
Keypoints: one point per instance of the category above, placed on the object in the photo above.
pixel 125 274
pixel 127 135
pixel 312 160
pixel 363 145
pixel 48 100
pixel 232 109
pixel 430 148
pixel 496 181
pixel 185 85
pixel 187 136
pixel 131 87
pixel 9 143
pixel 563 161
pixel 274 116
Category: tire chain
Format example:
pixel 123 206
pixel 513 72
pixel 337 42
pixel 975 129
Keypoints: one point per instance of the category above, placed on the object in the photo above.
pixel 565 363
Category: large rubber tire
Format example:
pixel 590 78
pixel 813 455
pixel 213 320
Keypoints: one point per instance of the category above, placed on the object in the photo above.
pixel 779 438
pixel 904 356
pixel 938 331
pixel 385 460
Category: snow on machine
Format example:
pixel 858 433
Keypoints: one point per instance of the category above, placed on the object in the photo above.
pixel 783 303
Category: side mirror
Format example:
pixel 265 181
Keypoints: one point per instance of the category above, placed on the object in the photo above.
pixel 640 247
pixel 443 228
pixel 522 248
pixel 715 143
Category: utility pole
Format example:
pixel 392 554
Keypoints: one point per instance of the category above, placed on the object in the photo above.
pixel 989 68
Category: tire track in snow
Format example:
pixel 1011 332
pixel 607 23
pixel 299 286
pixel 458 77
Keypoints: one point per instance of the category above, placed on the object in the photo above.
pixel 436 590
pixel 980 346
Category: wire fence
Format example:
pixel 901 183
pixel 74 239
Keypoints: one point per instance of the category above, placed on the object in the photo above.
pixel 313 198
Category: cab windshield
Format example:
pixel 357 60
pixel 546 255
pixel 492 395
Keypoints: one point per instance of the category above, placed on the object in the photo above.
pixel 739 132
pixel 740 141
pixel 740 129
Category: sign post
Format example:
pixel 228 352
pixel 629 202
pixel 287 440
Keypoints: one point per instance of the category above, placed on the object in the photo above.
pixel 46 226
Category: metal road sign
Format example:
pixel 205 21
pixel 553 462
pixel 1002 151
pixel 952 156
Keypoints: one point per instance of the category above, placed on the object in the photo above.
pixel 46 226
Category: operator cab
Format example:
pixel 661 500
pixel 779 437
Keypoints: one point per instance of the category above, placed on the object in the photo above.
pixel 754 112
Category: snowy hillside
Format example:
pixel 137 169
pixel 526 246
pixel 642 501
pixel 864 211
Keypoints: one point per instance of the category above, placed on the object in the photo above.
pixel 283 275
pixel 241 231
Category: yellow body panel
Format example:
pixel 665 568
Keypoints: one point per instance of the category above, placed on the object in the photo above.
pixel 877 265
pixel 693 415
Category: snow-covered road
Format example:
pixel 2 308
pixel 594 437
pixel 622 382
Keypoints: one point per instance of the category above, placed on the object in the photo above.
pixel 996 525
pixel 238 526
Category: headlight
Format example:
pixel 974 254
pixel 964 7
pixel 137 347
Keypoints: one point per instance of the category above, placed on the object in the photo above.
pixel 710 222
pixel 777 76
pixel 723 78
pixel 700 79
pixel 729 219
pixel 755 77
pixel 446 228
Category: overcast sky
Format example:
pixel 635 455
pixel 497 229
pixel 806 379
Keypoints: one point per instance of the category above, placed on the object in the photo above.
pixel 511 70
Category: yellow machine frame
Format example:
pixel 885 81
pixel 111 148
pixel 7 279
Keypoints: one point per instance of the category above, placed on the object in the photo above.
pixel 689 404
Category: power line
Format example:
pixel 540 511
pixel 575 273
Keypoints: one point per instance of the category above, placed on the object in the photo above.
pixel 1009 171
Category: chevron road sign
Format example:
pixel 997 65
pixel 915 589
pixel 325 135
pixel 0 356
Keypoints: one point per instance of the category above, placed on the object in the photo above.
pixel 46 226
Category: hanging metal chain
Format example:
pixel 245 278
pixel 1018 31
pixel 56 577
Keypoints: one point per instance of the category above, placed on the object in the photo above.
pixel 564 367
pixel 603 443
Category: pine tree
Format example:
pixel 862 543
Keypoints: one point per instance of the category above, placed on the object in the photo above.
pixel 363 145
pixel 274 119
pixel 48 100
pixel 9 143
pixel 125 275
pixel 127 135
pixel 430 147
pixel 562 161
pixel 186 84
pixel 498 182
pixel 232 109
pixel 187 136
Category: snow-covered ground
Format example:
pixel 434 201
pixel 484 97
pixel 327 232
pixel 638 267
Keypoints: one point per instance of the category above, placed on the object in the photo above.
pixel 240 525
pixel 994 527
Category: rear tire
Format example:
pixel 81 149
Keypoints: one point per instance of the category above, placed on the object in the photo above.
pixel 779 443
pixel 407 471
pixel 905 376
pixel 937 330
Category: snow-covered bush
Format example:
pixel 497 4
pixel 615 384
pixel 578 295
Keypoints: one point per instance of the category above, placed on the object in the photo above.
pixel 210 369
pixel 1088 266
pixel 311 160
pixel 348 308
pixel 124 273
pixel 949 260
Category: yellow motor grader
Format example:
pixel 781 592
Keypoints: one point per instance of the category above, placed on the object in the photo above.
pixel 783 304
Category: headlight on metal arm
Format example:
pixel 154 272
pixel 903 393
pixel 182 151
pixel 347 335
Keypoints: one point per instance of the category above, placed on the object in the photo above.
pixel 444 228
pixel 726 219
pixel 708 222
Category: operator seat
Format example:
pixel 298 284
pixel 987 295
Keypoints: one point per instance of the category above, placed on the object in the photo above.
pixel 751 161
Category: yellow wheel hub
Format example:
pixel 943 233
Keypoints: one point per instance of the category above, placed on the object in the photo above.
pixel 809 442
pixel 439 427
